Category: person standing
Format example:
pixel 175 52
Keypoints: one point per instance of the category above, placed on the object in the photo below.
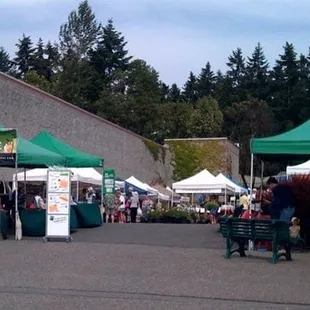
pixel 134 204
pixel 121 207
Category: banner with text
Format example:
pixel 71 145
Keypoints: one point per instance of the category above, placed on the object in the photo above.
pixel 109 182
pixel 8 147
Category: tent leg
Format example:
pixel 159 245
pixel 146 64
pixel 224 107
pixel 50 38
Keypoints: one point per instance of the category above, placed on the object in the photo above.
pixel 16 196
pixel 77 190
pixel 251 190
pixel 25 187
pixel 262 177
pixel 225 196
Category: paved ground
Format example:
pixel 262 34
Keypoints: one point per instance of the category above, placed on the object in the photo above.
pixel 147 266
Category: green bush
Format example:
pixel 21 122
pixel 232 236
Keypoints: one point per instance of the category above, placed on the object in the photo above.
pixel 211 205
pixel 170 216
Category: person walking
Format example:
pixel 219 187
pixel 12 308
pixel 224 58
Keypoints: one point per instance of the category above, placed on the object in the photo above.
pixel 134 204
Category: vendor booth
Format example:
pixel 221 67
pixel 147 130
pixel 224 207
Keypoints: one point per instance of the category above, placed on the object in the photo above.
pixel 303 168
pixel 16 152
pixel 291 146
pixel 202 182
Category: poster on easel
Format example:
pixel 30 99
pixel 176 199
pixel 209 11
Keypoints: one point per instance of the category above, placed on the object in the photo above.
pixel 58 205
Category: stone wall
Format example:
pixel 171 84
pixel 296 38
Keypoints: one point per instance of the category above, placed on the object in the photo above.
pixel 30 110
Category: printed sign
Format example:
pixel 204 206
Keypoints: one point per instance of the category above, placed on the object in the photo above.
pixel 8 147
pixel 109 182
pixel 57 225
pixel 59 181
pixel 58 203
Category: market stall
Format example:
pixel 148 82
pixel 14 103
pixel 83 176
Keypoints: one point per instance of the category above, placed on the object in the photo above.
pixel 303 168
pixel 16 152
pixel 288 147
pixel 75 159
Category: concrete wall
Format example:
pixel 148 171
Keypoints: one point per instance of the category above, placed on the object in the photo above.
pixel 31 110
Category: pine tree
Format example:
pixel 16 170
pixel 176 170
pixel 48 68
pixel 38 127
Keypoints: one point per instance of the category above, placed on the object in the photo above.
pixel 109 56
pixel 285 78
pixel 236 67
pixel 164 88
pixel 24 56
pixel 79 34
pixel 39 61
pixel 52 60
pixel 206 81
pixel 190 92
pixel 174 93
pixel 5 62
pixel 257 74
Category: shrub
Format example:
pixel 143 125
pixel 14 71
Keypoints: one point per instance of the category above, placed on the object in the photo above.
pixel 211 205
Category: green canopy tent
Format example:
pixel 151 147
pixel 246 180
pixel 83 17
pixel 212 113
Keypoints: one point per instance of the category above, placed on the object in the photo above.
pixel 291 145
pixel 30 155
pixel 24 154
pixel 74 158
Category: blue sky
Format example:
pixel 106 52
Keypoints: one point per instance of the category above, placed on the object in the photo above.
pixel 174 36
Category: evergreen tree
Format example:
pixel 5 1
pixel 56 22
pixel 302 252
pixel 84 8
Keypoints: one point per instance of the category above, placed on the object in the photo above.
pixel 285 82
pixel 52 60
pixel 236 67
pixel 109 56
pixel 79 34
pixel 39 61
pixel 206 81
pixel 24 56
pixel 174 93
pixel 223 90
pixel 190 93
pixel 257 74
pixel 5 62
pixel 164 91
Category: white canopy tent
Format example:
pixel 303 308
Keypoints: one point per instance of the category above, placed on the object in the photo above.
pixel 152 191
pixel 200 183
pixel 303 168
pixel 85 175
pixel 223 179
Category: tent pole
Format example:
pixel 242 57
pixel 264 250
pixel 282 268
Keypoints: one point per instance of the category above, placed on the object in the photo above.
pixel 16 194
pixel 172 200
pixel 225 196
pixel 251 190
pixel 77 190
pixel 25 187
pixel 262 175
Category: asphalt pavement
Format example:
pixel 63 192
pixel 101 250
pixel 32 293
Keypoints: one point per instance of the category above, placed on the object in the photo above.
pixel 147 266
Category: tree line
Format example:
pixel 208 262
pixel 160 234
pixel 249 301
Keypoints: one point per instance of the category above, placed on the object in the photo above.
pixel 91 67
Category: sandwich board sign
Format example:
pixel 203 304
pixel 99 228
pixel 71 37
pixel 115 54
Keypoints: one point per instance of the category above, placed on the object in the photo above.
pixel 58 205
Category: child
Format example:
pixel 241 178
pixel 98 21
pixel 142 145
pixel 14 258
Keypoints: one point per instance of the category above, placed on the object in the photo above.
pixel 295 231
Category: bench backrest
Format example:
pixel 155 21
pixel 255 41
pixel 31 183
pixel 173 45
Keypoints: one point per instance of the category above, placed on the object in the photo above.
pixel 254 229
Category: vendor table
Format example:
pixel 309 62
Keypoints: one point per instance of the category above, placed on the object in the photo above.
pixel 34 221
pixel 88 214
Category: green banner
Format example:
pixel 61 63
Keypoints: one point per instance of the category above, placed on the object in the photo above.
pixel 8 147
pixel 109 182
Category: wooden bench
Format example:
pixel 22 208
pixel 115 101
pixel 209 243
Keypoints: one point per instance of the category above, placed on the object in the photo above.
pixel 240 231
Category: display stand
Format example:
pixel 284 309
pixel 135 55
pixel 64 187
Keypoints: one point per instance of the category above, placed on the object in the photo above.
pixel 58 205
